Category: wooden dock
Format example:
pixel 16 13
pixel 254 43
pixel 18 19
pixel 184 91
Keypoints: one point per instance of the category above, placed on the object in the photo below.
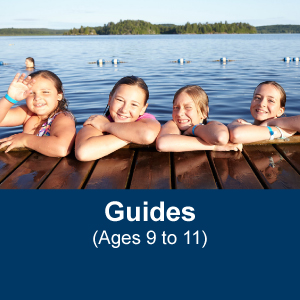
pixel 259 166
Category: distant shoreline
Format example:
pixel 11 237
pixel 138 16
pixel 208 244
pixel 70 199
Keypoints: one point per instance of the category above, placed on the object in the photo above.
pixel 258 33
pixel 132 27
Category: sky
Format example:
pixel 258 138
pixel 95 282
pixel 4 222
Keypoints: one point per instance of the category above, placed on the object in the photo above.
pixel 66 14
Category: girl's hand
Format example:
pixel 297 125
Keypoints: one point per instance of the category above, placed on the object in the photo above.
pixel 242 121
pixel 229 147
pixel 97 121
pixel 189 131
pixel 13 141
pixel 20 87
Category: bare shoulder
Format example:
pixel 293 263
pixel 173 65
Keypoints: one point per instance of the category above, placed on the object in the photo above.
pixel 214 123
pixel 63 125
pixel 170 128
pixel 148 121
pixel 64 117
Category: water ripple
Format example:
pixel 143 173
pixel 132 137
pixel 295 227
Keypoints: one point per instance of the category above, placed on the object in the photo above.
pixel 230 87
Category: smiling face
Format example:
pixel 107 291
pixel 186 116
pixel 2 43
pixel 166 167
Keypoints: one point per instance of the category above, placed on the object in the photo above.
pixel 266 103
pixel 185 113
pixel 44 97
pixel 127 103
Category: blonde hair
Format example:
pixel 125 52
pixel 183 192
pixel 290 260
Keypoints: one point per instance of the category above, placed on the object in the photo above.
pixel 199 97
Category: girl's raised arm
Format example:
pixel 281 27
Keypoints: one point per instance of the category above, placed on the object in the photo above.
pixel 18 90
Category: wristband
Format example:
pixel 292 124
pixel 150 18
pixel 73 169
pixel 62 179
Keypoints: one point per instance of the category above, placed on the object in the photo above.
pixel 10 99
pixel 193 130
pixel 271 133
pixel 282 136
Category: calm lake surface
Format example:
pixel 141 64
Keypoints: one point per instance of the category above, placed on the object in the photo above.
pixel 229 87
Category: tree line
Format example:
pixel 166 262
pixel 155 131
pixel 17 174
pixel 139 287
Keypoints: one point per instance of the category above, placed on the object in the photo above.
pixel 31 31
pixel 142 27
pixel 278 29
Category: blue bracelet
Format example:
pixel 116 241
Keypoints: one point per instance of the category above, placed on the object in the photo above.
pixel 193 130
pixel 10 99
pixel 271 133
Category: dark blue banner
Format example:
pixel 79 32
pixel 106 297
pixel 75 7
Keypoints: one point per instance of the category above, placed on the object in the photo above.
pixel 150 244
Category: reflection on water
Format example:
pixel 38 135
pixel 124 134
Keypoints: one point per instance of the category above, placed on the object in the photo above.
pixel 229 86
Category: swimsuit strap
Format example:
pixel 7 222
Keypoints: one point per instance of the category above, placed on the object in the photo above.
pixel 45 128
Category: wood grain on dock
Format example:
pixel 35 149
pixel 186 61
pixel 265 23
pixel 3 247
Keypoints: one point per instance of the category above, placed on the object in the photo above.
pixel 259 166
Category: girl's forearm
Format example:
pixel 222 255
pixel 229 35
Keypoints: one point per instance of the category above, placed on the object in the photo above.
pixel 251 133
pixel 95 147
pixel 179 143
pixel 49 145
pixel 135 132
pixel 288 123
pixel 214 133
pixel 5 106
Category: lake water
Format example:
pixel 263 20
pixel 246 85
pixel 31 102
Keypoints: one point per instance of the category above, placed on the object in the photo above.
pixel 229 87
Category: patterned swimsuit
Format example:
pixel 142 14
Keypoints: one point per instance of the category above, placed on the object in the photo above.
pixel 45 129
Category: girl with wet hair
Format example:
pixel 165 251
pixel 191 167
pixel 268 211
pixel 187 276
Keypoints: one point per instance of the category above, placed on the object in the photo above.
pixel 267 107
pixel 48 126
pixel 125 121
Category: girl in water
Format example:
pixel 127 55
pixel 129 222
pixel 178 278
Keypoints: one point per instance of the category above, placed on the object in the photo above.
pixel 267 106
pixel 48 126
pixel 29 63
pixel 125 122
pixel 189 130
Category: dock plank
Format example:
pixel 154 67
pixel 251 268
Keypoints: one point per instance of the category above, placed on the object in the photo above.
pixel 192 171
pixel 31 173
pixel 272 168
pixel 290 140
pixel 10 161
pixel 152 170
pixel 112 171
pixel 68 174
pixel 234 171
pixel 291 154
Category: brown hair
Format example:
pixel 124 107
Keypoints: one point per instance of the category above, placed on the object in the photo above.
pixel 129 80
pixel 63 103
pixel 199 97
pixel 32 60
pixel 279 88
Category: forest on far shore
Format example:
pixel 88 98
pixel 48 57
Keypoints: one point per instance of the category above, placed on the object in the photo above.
pixel 129 27
pixel 134 27
pixel 278 29
pixel 31 31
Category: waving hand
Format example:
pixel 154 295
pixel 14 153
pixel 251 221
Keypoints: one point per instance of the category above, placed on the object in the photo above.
pixel 20 87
